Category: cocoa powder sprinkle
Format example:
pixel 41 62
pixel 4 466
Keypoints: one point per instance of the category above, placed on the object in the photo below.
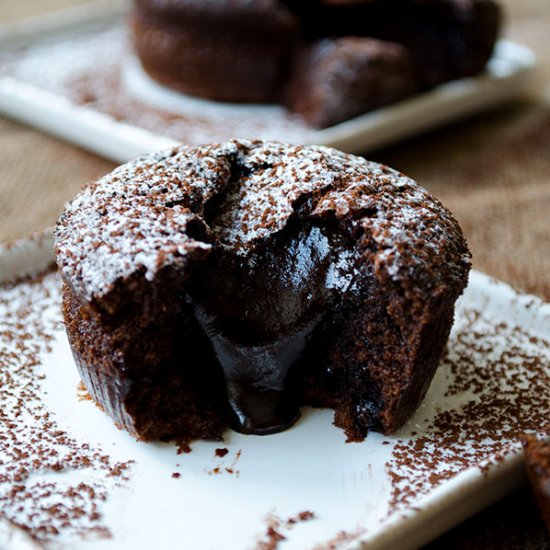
pixel 498 377
pixel 38 494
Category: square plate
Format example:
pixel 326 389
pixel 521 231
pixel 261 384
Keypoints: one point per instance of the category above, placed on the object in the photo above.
pixel 71 479
pixel 73 74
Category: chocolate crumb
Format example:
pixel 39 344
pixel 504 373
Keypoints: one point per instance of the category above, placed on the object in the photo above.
pixel 183 447
pixel 278 529
pixel 82 392
pixel 302 516
pixel 222 452
pixel 305 516
pixel 341 539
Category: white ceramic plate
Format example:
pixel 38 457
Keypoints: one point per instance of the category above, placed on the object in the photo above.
pixel 456 455
pixel 26 96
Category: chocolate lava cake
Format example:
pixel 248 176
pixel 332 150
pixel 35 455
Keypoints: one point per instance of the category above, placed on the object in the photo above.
pixel 265 50
pixel 229 284
pixel 537 459
pixel 446 38
pixel 338 78
pixel 229 50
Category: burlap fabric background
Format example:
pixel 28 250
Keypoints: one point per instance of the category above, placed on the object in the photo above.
pixel 493 171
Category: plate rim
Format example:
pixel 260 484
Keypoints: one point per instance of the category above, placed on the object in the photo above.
pixel 121 141
pixel 410 527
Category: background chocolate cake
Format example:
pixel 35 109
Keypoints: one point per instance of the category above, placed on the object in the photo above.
pixel 230 51
pixel 226 285
pixel 336 79
pixel 537 460
pixel 446 38
pixel 277 50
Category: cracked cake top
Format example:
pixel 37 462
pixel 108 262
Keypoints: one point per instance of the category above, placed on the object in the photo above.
pixel 170 208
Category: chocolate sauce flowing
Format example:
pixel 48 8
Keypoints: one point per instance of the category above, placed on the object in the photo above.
pixel 259 311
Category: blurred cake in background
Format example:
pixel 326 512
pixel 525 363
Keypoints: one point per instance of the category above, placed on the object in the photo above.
pixel 325 60
pixel 229 50
pixel 338 78
pixel 537 459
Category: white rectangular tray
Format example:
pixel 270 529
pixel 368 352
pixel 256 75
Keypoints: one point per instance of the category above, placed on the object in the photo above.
pixel 506 74
pixel 458 453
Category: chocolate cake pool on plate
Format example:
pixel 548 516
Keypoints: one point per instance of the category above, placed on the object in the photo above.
pixel 229 284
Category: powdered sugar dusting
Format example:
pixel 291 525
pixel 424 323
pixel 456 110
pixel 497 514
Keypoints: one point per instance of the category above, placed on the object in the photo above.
pixel 138 217
pixel 274 177
pixel 407 227
pixel 30 63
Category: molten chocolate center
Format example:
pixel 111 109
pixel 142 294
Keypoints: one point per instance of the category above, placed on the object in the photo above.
pixel 260 311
